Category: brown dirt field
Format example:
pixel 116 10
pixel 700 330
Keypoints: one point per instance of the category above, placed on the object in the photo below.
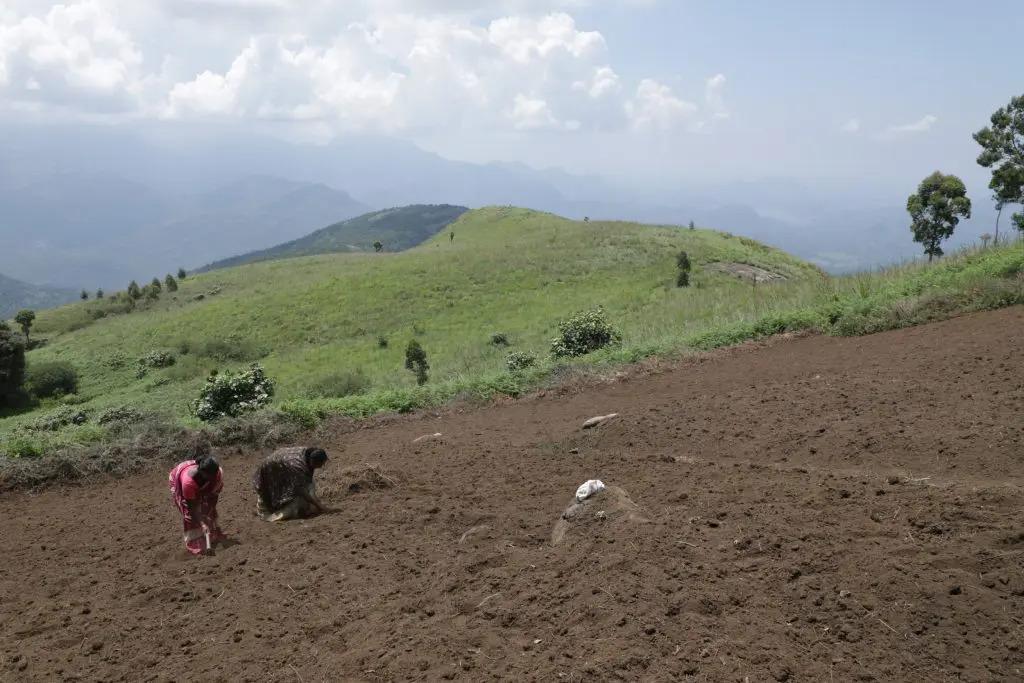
pixel 821 509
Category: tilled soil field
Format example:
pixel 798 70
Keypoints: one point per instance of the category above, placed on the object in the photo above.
pixel 815 509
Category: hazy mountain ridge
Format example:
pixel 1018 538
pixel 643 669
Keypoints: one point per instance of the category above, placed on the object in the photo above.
pixel 397 229
pixel 102 207
pixel 15 295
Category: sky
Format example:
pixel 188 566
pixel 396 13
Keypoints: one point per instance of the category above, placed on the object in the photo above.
pixel 650 92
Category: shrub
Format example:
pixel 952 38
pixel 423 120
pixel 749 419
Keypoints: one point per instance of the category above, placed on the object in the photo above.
pixel 499 339
pixel 58 419
pixel 134 291
pixel 20 447
pixel 116 360
pixel 120 416
pixel 340 384
pixel 12 366
pixel 231 394
pixel 231 349
pixel 171 283
pixel 53 378
pixel 153 359
pixel 382 342
pixel 584 333
pixel 683 264
pixel 517 361
pixel 416 361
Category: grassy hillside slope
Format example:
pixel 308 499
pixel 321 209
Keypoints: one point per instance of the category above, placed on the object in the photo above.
pixel 397 229
pixel 512 271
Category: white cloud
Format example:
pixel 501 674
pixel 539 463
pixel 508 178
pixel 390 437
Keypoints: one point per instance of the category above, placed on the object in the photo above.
pixel 604 81
pixel 713 96
pixel 526 40
pixel 656 107
pixel 851 126
pixel 920 126
pixel 412 67
pixel 73 55
pixel 532 112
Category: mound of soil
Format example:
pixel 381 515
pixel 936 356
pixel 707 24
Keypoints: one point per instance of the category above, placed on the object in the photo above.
pixel 823 509
pixel 610 509
pixel 359 479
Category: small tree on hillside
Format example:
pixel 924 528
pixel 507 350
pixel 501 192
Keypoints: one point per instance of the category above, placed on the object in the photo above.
pixel 683 263
pixel 25 318
pixel 151 293
pixel 134 291
pixel 84 296
pixel 451 236
pixel 155 284
pixel 416 361
pixel 99 293
pixel 378 247
pixel 12 366
pixel 936 209
pixel 692 226
pixel 1003 151
pixel 181 273
pixel 985 237
pixel 171 283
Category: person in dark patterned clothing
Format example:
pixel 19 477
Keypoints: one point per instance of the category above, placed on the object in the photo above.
pixel 284 484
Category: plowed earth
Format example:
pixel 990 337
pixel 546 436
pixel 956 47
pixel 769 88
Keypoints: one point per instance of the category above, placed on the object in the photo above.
pixel 815 509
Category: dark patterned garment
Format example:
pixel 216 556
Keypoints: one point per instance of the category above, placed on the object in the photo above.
pixel 283 477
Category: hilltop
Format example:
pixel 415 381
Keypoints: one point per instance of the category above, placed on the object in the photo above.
pixel 511 271
pixel 331 330
pixel 15 295
pixel 396 229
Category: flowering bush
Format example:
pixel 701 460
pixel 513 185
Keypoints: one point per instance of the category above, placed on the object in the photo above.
pixel 58 419
pixel 583 333
pixel 518 361
pixel 153 359
pixel 231 395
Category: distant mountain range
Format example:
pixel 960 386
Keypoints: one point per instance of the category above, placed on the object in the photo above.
pixel 396 229
pixel 16 295
pixel 88 207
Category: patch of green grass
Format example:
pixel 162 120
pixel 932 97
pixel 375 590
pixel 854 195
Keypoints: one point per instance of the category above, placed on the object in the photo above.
pixel 522 272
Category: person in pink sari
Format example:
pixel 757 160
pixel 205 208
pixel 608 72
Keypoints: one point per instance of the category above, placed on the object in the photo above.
pixel 195 486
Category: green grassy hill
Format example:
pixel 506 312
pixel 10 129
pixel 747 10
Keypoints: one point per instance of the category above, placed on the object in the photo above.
pixel 397 229
pixel 317 323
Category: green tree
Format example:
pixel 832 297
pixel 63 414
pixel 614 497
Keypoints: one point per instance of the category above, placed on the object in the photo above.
pixel 692 226
pixel 12 366
pixel 171 283
pixel 416 361
pixel 936 209
pixel 151 293
pixel 683 264
pixel 155 284
pixel 134 291
pixel 181 273
pixel 378 247
pixel 99 293
pixel 25 318
pixel 985 239
pixel 84 296
pixel 1003 151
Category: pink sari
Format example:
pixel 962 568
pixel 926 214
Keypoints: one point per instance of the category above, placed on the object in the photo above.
pixel 185 489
